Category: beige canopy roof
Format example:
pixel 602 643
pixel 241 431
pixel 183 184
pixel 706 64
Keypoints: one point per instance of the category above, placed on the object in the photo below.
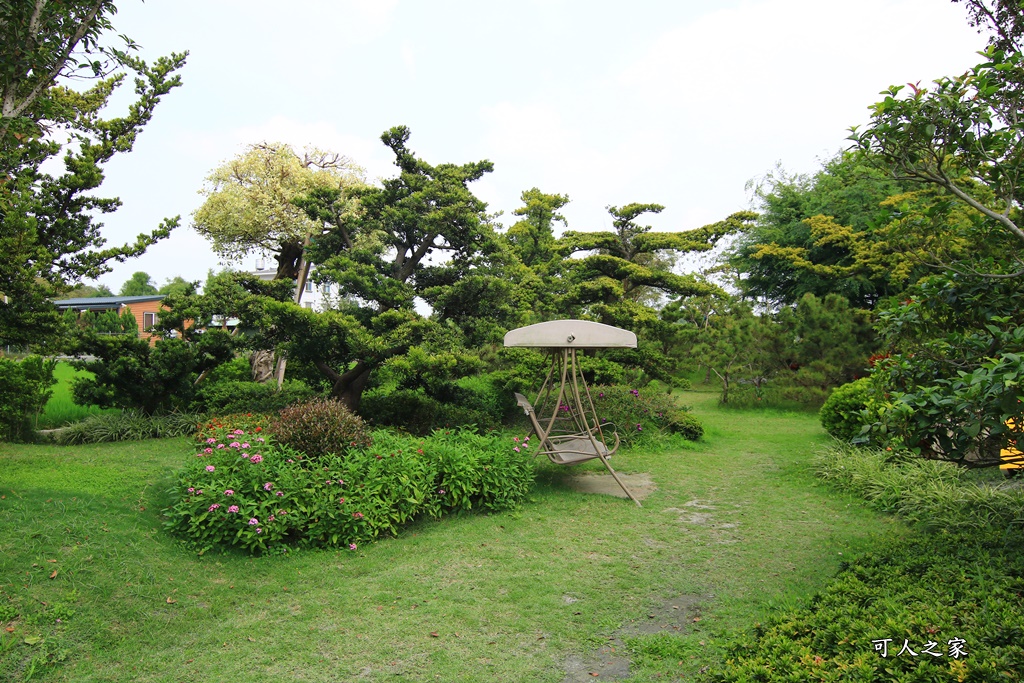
pixel 564 334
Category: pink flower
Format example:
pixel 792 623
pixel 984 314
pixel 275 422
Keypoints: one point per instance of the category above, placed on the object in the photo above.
pixel 516 439
pixel 278 493
pixel 233 509
pixel 328 482
pixel 210 468
pixel 357 515
pixel 441 491
pixel 208 451
pixel 256 459
pixel 191 490
pixel 268 486
pixel 259 530
pixel 260 439
pixel 199 492
pixel 211 440
pixel 271 518
pixel 639 428
pixel 516 449
pixel 253 521
pixel 290 460
pixel 229 492
pixel 340 482
pixel 220 445
pixel 245 445
pixel 214 507
pixel 234 444
pixel 351 546
pixel 238 431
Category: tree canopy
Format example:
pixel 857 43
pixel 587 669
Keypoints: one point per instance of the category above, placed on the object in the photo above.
pixel 50 232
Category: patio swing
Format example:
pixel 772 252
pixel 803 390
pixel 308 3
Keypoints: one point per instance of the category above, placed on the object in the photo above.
pixel 573 433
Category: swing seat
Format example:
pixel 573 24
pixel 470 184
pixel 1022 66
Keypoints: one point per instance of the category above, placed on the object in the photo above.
pixel 572 449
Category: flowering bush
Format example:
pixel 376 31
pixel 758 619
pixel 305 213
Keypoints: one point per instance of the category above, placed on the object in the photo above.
pixel 319 427
pixel 640 416
pixel 242 489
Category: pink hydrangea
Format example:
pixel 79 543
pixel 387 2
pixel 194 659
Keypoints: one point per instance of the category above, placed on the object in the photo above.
pixel 233 509
pixel 210 468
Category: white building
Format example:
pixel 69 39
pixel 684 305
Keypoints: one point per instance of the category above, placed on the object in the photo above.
pixel 317 297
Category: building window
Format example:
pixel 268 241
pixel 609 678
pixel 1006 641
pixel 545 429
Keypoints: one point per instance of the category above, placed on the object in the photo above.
pixel 148 321
pixel 325 288
pixel 308 304
pixel 261 264
pixel 309 285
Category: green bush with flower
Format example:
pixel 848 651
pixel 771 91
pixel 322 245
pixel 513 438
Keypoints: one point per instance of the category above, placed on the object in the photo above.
pixel 243 489
pixel 643 417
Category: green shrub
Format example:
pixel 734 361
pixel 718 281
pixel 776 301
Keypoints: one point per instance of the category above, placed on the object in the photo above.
pixel 319 427
pixel 234 396
pixel 127 425
pixel 642 417
pixel 243 489
pixel 481 402
pixel 932 492
pixel 932 589
pixel 841 413
pixel 25 388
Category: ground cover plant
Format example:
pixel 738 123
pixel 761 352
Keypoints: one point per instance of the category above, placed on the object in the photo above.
pixel 943 605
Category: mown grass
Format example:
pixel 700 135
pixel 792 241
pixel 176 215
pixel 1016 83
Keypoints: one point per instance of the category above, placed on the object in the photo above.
pixel 738 524
pixel 60 410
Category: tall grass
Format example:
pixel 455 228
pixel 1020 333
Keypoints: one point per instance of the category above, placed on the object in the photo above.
pixel 61 410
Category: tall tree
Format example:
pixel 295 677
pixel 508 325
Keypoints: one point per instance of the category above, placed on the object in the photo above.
pixel 249 202
pixel 420 234
pixel 49 227
pixel 138 284
pixel 964 136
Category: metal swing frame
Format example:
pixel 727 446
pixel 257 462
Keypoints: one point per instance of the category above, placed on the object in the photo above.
pixel 569 429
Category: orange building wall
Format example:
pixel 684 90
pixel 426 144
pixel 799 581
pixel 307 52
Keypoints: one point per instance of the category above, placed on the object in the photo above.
pixel 138 309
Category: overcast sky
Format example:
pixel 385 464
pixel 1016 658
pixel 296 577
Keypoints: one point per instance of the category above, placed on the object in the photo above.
pixel 679 102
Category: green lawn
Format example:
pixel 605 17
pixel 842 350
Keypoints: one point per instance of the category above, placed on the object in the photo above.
pixel 737 527
pixel 60 410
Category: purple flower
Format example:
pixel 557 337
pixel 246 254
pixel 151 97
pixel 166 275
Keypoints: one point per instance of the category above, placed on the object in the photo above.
pixel 278 493
pixel 268 486
pixel 639 428
pixel 351 546
pixel 233 509
pixel 214 507
pixel 259 530
pixel 601 395
pixel 210 468
pixel 253 521
pixel 635 392
pixel 257 458
pixel 229 492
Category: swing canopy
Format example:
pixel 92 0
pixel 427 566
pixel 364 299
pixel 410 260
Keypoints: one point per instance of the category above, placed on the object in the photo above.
pixel 574 334
pixel 568 427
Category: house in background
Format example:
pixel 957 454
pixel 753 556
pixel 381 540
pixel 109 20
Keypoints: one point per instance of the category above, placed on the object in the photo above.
pixel 144 308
